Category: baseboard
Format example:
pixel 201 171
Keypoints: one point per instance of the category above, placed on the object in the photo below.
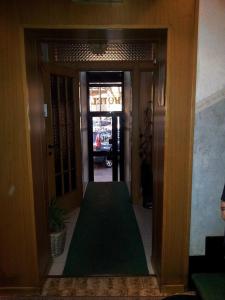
pixel 84 187
pixel 172 288
pixel 23 291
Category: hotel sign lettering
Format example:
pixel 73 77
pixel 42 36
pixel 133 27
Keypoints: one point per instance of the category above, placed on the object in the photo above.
pixel 105 100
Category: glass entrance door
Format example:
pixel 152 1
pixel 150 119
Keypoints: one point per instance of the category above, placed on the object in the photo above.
pixel 105 126
pixel 106 147
pixel 102 148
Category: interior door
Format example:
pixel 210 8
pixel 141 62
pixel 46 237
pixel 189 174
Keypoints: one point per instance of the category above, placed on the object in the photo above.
pixel 63 135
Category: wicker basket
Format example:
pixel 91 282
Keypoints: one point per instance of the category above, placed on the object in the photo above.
pixel 58 242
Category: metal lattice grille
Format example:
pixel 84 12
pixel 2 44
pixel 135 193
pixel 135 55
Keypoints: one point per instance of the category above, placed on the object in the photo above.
pixel 113 51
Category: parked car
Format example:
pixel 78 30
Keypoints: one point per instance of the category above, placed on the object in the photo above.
pixel 101 143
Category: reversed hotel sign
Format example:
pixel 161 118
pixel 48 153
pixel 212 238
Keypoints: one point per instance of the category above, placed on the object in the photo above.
pixel 105 99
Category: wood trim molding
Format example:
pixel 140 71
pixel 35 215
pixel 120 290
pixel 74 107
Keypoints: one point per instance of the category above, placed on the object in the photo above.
pixel 172 289
pixel 7 291
pixel 210 101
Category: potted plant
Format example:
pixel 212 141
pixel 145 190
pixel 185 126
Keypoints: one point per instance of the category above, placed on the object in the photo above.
pixel 56 220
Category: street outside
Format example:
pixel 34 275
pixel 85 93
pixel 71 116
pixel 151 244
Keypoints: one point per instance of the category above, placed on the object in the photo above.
pixel 101 173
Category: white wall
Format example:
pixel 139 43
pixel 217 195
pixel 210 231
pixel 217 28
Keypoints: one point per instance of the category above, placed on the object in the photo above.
pixel 211 48
pixel 209 139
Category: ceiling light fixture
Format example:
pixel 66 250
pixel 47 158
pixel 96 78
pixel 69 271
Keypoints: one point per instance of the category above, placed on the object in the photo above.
pixel 98 48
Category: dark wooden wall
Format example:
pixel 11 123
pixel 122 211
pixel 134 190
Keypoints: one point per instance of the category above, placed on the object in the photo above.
pixel 18 253
pixel 38 152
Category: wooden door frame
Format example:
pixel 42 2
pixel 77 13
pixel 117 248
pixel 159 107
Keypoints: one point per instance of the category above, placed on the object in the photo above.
pixel 135 68
pixel 162 267
pixel 90 131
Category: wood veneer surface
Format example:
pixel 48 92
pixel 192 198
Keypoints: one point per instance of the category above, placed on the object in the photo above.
pixel 19 262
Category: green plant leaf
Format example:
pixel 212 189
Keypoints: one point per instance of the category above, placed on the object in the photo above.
pixel 56 216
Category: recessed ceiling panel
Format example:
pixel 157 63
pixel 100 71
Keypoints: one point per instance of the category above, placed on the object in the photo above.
pixel 69 52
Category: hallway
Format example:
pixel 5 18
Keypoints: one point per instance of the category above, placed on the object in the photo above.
pixel 143 217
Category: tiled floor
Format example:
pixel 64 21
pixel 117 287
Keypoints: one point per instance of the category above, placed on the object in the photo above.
pixel 59 261
pixel 144 220
pixel 101 173
pixel 143 216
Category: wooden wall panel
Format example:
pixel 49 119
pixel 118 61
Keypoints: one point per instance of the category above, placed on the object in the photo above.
pixel 17 202
pixel 158 206
pixel 178 155
pixel 18 263
pixel 38 153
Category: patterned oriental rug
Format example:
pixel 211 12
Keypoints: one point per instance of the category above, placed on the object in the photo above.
pixel 103 286
pixel 176 297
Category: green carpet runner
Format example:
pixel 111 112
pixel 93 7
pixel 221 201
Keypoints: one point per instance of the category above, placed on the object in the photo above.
pixel 106 240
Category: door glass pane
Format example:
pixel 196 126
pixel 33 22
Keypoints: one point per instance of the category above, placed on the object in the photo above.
pixel 105 98
pixel 146 108
pixel 118 146
pixel 102 133
pixel 73 179
pixel 55 122
pixel 63 124
pixel 71 123
pixel 66 182
pixel 58 185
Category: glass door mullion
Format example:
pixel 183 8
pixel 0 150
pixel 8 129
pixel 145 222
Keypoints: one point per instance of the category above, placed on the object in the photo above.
pixel 121 146
pixel 90 147
pixel 68 124
pixel 114 148
pixel 60 131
